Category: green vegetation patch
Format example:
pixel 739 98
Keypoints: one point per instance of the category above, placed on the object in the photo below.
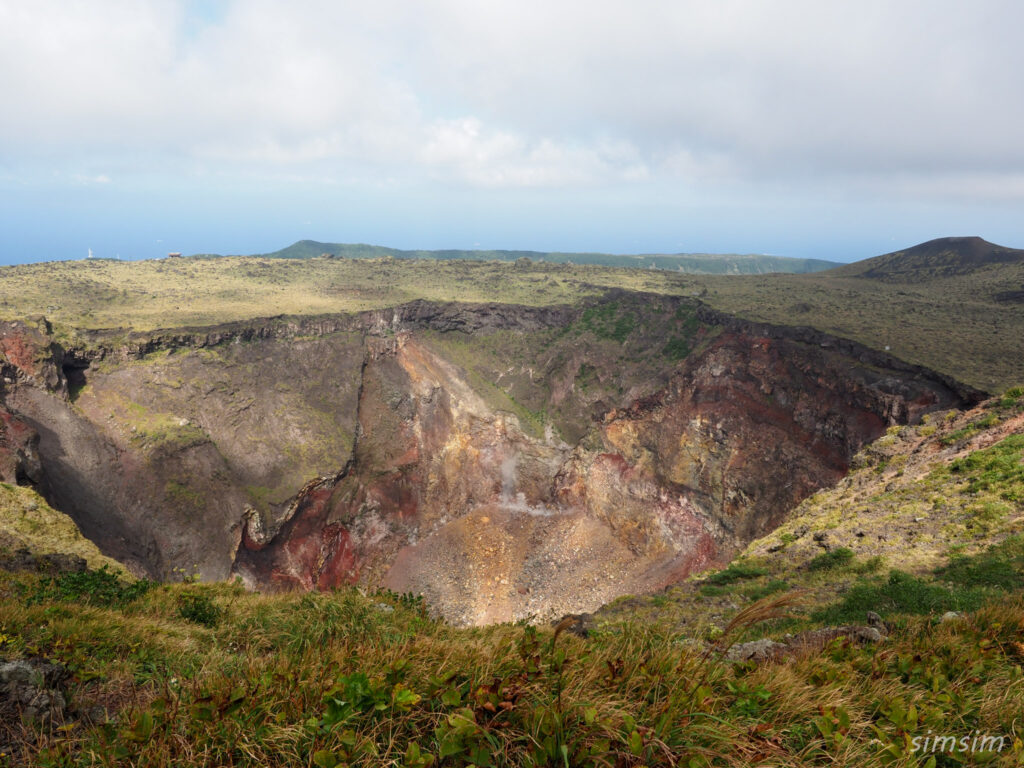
pixel 1001 567
pixel 357 679
pixel 971 429
pixel 828 561
pixel 962 585
pixel 609 320
pixel 101 587
pixel 199 608
pixel 999 469
pixel 26 520
pixel 899 593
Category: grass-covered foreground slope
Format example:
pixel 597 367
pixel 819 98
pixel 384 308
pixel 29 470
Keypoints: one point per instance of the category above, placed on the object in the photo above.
pixel 209 675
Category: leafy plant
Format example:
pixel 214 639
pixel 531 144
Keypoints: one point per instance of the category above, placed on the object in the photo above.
pixel 100 587
pixel 900 593
pixel 827 561
pixel 199 608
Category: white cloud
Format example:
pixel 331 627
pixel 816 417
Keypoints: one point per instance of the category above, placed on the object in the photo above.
pixel 498 158
pixel 523 93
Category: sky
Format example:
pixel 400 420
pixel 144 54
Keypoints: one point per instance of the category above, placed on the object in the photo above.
pixel 836 130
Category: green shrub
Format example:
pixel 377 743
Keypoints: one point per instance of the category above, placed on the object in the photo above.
pixel 971 429
pixel 773 586
pixel 998 469
pixel 606 321
pixel 827 561
pixel 712 590
pixel 200 609
pixel 676 349
pixel 871 565
pixel 1013 394
pixel 1001 566
pixel 900 593
pixel 101 587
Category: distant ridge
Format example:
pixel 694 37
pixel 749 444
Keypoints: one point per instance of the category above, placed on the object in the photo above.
pixel 943 257
pixel 694 263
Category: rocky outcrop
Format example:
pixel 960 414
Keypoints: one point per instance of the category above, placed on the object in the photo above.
pixel 754 425
pixel 19 454
pixel 122 344
pixel 33 692
pixel 31 353
pixel 427 450
pixel 806 643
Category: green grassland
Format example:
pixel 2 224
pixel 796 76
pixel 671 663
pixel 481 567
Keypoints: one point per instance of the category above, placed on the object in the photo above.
pixel 173 293
pixel 955 325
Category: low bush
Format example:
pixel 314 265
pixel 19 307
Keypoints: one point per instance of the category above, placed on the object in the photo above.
pixel 1001 566
pixel 100 587
pixel 199 609
pixel 828 561
pixel 900 593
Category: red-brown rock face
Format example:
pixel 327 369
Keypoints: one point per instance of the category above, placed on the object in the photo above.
pixel 744 432
pixel 446 497
pixel 19 457
pixel 428 450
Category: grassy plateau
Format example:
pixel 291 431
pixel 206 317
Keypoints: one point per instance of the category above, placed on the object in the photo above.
pixel 954 324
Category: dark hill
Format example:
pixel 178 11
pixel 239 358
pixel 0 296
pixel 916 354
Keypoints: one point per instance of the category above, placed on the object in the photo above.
pixel 944 257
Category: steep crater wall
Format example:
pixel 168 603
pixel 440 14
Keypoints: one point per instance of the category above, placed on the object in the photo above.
pixel 505 461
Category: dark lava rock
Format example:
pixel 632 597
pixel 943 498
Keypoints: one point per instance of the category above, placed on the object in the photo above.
pixel 33 690
pixel 810 641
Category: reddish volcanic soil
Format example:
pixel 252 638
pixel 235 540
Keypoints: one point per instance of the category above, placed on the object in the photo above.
pixel 505 563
